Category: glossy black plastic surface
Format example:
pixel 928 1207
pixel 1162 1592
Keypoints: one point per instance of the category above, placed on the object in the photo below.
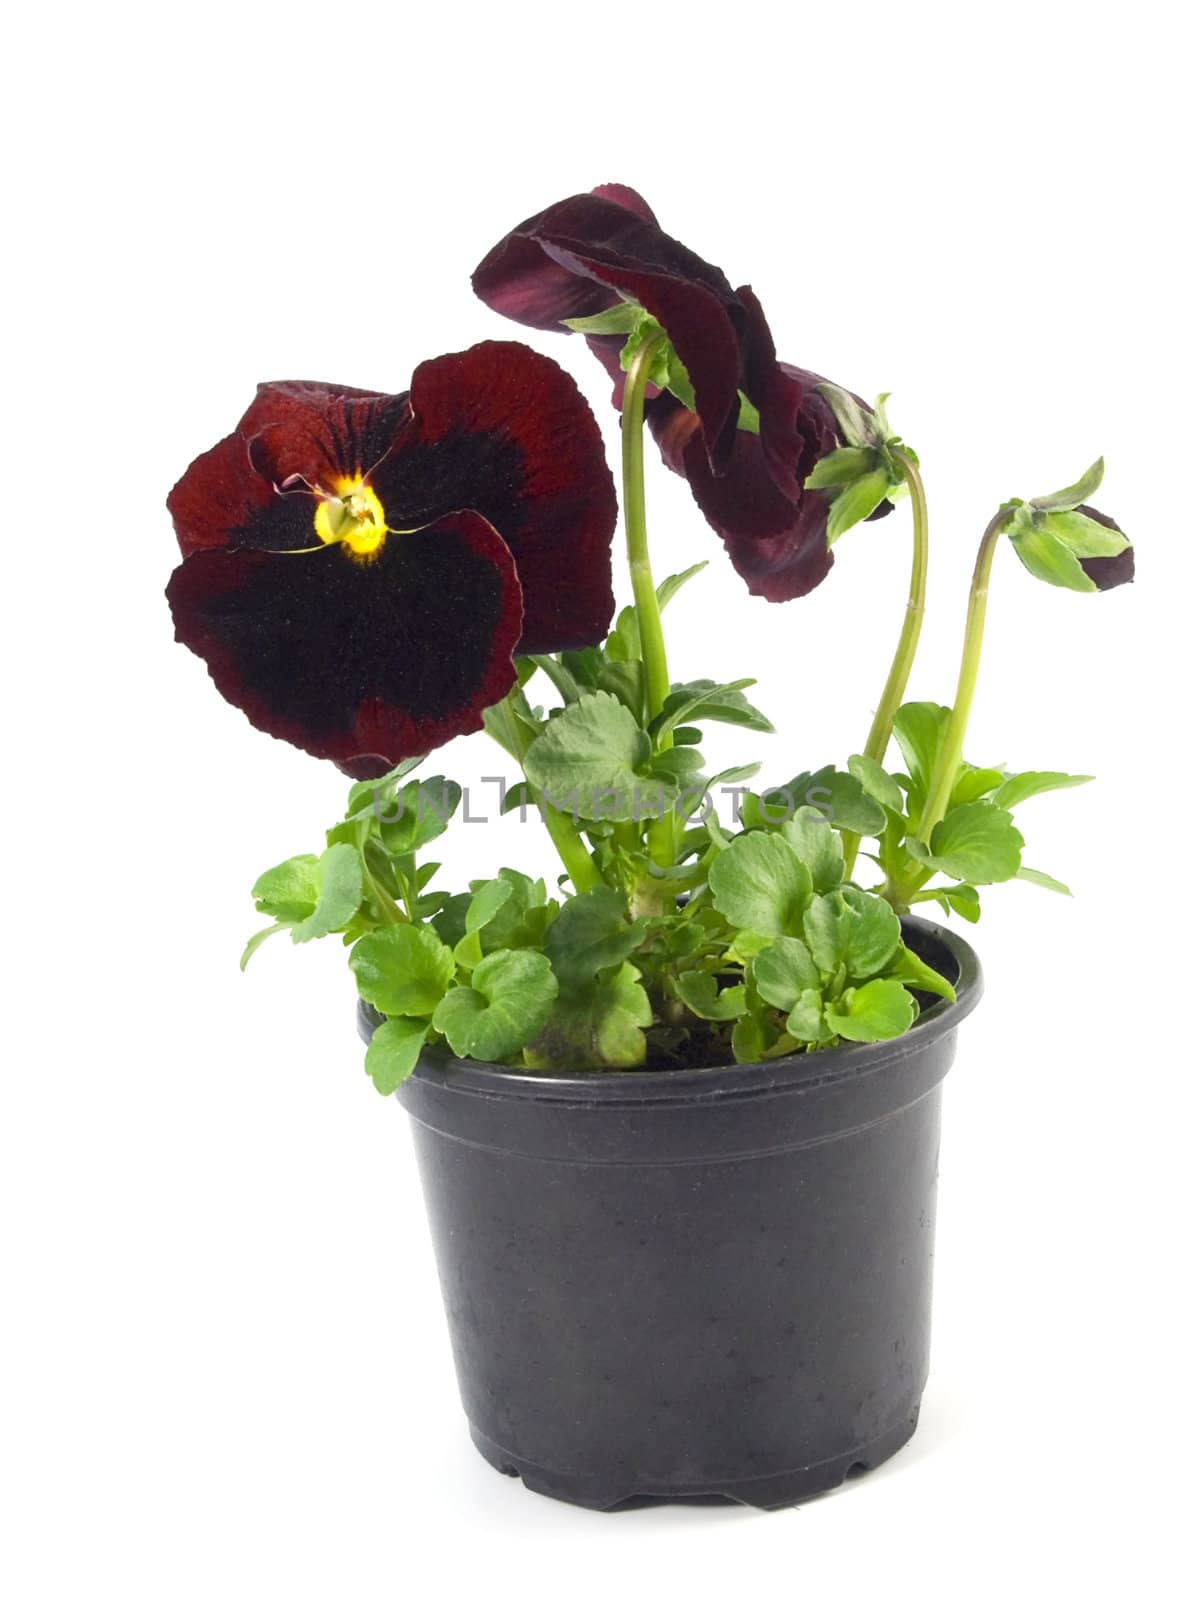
pixel 693 1283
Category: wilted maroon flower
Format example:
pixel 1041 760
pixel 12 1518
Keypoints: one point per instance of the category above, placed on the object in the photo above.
pixel 588 255
pixel 359 568
pixel 597 251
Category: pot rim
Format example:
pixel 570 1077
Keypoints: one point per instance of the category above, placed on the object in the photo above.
pixel 806 1070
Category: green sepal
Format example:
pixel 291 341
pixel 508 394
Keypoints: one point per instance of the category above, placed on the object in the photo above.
pixel 1050 561
pixel 1067 499
pixel 622 318
pixel 842 467
pixel 857 426
pixel 855 503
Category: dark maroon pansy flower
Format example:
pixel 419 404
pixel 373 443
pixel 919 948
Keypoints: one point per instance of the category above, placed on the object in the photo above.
pixel 591 253
pixel 773 528
pixel 582 257
pixel 360 568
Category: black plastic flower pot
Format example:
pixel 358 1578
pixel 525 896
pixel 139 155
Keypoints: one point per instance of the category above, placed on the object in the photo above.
pixel 709 1282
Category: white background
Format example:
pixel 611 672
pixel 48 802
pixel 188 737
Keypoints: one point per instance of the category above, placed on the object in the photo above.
pixel 224 1364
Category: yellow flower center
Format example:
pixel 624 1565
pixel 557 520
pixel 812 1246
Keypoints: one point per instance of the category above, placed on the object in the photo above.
pixel 353 517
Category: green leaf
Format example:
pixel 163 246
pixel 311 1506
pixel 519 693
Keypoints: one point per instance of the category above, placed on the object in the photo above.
pixel 877 783
pixel 372 796
pixel 1050 560
pixel 910 970
pixel 855 503
pixel 394 1051
pixel 959 897
pixel 972 783
pixel 881 1009
pixel 670 587
pixel 1024 785
pixel 818 844
pixel 600 1023
pixel 1083 534
pixel 512 994
pixel 289 891
pixel 783 972
pixel 487 903
pixel 976 843
pixel 624 679
pixel 749 1040
pixel 1043 880
pixel 588 761
pixel 706 701
pixel 806 1019
pixel 760 883
pixel 258 938
pixel 340 896
pixel 838 796
pixel 699 992
pixel 624 642
pixel 402 970
pixel 918 730
pixel 852 929
pixel 590 933
pixel 424 810
pixel 842 467
pixel 1068 499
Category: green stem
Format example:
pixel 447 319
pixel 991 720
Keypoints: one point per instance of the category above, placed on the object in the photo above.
pixel 896 686
pixel 572 851
pixel 661 834
pixel 633 475
pixel 945 770
pixel 910 632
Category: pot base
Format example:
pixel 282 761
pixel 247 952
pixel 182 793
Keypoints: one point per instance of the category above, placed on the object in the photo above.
pixel 771 1493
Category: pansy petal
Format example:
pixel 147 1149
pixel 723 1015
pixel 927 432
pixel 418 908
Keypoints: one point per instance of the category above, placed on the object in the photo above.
pixel 622 195
pixel 506 432
pixel 777 546
pixel 593 240
pixel 359 661
pixel 243 493
pixel 1107 572
pixel 319 432
pixel 218 495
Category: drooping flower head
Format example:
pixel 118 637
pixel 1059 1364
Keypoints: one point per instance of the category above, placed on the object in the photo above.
pixel 360 568
pixel 743 428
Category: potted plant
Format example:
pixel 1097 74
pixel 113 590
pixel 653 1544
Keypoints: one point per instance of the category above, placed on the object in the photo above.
pixel 677 1111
